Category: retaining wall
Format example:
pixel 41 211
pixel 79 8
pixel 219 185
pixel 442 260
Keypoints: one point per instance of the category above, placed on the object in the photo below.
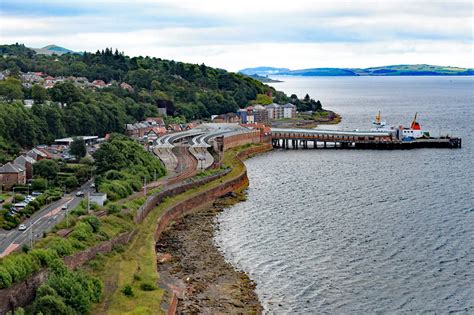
pixel 237 183
pixel 241 139
pixel 23 293
pixel 171 191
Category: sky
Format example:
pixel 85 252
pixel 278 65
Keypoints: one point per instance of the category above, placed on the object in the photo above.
pixel 233 34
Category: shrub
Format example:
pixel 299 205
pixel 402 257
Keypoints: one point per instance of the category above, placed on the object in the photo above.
pixel 19 198
pixel 128 291
pixel 111 209
pixel 5 278
pixel 82 232
pixel 67 292
pixel 71 182
pixel 44 256
pixel 39 184
pixel 50 305
pixel 61 246
pixel 147 286
pixel 94 222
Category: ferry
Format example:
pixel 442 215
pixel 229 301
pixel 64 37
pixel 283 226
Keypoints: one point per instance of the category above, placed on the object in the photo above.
pixel 401 133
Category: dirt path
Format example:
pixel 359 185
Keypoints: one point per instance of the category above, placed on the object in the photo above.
pixel 190 264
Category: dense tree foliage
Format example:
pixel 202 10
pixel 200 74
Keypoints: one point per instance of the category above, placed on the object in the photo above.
pixel 78 148
pixel 67 292
pixel 122 165
pixel 306 104
pixel 195 90
pixel 46 169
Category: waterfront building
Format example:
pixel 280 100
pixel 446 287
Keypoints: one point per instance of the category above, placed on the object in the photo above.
pixel 288 111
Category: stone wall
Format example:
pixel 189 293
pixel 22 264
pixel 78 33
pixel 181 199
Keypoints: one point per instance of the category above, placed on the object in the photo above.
pixel 171 191
pixel 188 205
pixel 23 293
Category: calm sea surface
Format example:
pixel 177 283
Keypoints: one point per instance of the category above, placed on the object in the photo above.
pixel 346 231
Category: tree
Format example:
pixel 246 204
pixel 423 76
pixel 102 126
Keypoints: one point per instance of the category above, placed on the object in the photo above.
pixel 263 99
pixel 46 168
pixel 39 94
pixel 39 184
pixel 71 182
pixel 78 148
pixel 65 93
pixel 11 89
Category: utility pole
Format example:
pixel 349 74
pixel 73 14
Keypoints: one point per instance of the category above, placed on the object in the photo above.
pixel 31 235
pixel 88 202
pixel 144 186
pixel 67 217
pixel 154 176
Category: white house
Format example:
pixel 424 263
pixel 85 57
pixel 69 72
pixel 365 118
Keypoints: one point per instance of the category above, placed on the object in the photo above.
pixel 98 198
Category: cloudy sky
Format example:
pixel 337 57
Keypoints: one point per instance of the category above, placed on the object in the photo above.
pixel 235 34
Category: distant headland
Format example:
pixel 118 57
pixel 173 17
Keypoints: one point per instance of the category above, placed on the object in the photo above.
pixel 394 70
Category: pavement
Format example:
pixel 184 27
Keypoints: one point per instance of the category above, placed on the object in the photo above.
pixel 41 221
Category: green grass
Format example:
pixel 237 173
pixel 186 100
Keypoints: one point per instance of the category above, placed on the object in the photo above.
pixel 137 264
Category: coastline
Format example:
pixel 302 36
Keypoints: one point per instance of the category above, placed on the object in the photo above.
pixel 191 263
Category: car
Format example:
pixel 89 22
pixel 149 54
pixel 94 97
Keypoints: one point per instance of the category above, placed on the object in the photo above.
pixel 22 227
pixel 35 193
pixel 80 194
pixel 64 207
pixel 92 185
pixel 2 201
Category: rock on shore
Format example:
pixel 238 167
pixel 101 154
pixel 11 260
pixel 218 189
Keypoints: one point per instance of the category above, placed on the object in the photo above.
pixel 190 265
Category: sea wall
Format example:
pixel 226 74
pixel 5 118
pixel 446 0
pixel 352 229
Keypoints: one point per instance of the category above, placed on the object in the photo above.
pixel 241 139
pixel 238 182
pixel 23 293
pixel 173 190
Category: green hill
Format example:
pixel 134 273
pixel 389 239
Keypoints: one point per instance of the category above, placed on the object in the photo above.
pixel 53 49
pixel 395 70
pixel 186 91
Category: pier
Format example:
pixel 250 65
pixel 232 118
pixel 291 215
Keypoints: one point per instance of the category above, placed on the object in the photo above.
pixel 336 139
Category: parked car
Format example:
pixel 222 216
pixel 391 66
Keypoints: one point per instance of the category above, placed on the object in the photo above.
pixel 80 194
pixel 35 193
pixel 22 227
pixel 64 207
pixel 2 201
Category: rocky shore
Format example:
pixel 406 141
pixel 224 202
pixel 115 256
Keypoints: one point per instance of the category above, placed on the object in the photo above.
pixel 190 265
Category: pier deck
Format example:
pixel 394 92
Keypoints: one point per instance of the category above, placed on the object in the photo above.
pixel 315 138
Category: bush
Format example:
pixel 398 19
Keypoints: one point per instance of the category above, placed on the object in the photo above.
pixel 61 246
pixel 19 198
pixel 67 292
pixel 44 256
pixel 5 278
pixel 50 305
pixel 71 182
pixel 39 184
pixel 111 209
pixel 128 291
pixel 94 222
pixel 147 286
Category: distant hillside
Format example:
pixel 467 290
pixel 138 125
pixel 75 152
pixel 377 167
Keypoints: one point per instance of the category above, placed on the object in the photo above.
pixel 53 49
pixel 395 70
pixel 263 79
pixel 263 71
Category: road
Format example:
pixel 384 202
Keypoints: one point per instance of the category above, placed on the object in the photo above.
pixel 40 222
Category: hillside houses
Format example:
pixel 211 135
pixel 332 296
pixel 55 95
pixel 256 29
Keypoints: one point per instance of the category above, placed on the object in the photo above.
pixel 153 127
pixel 29 79
pixel 20 170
